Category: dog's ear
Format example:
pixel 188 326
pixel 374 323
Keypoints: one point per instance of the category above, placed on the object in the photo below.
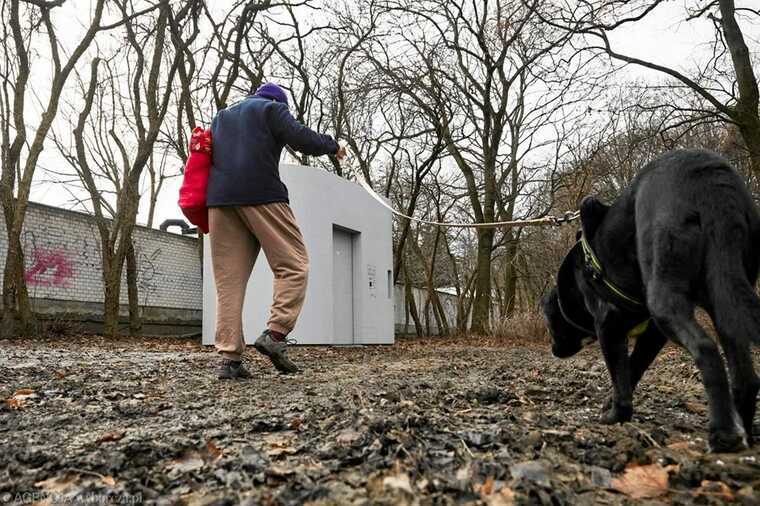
pixel 569 294
pixel 592 215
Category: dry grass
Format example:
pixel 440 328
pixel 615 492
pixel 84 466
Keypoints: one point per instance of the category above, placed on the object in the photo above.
pixel 520 326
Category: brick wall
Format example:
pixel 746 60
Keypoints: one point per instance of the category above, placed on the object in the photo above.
pixel 62 257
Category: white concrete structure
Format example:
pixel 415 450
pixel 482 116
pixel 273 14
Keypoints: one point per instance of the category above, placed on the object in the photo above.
pixel 348 237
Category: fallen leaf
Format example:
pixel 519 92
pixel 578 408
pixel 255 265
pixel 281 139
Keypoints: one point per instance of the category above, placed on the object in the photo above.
pixel 59 374
pixel 15 404
pixel 685 447
pixel 215 454
pixel 399 482
pixel 58 484
pixel 109 437
pixel 746 493
pixel 508 493
pixel 348 437
pixel 197 498
pixel 17 401
pixel 695 407
pixel 504 497
pixel 276 452
pixel 714 489
pixel 464 473
pixel 279 471
pixel 191 461
pixel 296 423
pixel 641 482
pixel 108 480
pixel 486 488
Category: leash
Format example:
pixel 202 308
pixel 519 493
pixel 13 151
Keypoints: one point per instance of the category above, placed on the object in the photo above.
pixel 534 222
pixel 590 257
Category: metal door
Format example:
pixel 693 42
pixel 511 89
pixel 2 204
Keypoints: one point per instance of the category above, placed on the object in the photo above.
pixel 343 287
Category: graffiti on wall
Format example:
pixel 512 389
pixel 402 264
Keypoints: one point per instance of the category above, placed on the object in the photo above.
pixel 148 275
pixel 55 257
pixel 50 268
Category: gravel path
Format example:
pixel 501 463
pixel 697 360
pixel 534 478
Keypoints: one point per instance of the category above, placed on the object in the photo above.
pixel 423 422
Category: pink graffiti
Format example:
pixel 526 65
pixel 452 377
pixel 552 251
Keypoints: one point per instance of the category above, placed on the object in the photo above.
pixel 45 260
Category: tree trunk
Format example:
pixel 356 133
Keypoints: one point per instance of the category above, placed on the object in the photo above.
pixel 29 325
pixel 482 303
pixel 444 323
pixel 10 308
pixel 16 304
pixel 464 305
pixel 747 115
pixel 433 299
pixel 426 314
pixel 135 320
pixel 412 304
pixel 112 292
pixel 405 228
pixel 406 315
pixel 751 133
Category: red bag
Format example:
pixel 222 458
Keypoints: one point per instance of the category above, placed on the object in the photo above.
pixel 192 193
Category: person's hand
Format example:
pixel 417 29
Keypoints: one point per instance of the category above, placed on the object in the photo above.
pixel 341 154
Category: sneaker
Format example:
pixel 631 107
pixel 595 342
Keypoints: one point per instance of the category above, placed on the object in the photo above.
pixel 231 369
pixel 276 351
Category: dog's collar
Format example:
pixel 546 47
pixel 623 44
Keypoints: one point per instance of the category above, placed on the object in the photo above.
pixel 597 273
pixel 639 329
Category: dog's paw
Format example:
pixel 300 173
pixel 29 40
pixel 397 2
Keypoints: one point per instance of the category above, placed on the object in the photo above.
pixel 615 413
pixel 727 441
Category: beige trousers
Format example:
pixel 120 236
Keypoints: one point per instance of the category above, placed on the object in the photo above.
pixel 236 235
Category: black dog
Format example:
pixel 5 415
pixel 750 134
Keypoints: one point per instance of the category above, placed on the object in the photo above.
pixel 686 233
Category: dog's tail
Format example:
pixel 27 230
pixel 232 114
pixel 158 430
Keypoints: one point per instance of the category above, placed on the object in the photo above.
pixel 731 265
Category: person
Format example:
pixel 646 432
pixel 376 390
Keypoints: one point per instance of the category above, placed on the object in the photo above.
pixel 249 211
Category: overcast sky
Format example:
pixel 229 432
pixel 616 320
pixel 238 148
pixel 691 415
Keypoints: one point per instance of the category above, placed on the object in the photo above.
pixel 662 38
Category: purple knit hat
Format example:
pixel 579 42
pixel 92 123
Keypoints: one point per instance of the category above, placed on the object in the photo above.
pixel 272 92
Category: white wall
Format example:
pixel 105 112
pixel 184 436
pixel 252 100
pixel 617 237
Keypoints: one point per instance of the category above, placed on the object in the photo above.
pixel 63 261
pixel 320 201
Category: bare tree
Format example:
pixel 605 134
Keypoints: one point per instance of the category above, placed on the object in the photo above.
pixel 115 136
pixel 470 70
pixel 27 22
pixel 726 85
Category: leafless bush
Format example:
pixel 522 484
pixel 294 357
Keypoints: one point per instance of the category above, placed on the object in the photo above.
pixel 522 326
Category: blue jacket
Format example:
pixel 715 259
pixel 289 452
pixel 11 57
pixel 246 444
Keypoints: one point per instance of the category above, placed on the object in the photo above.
pixel 248 139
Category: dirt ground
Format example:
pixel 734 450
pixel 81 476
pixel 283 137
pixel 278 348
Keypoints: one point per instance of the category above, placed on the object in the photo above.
pixel 87 420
